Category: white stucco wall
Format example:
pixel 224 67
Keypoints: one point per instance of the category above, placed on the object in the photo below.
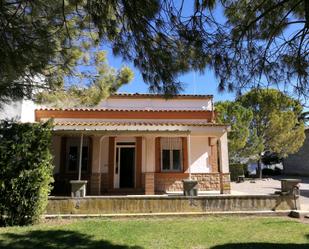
pixel 224 154
pixel 156 104
pixel 11 110
pixel 104 154
pixel 199 154
pixel 21 110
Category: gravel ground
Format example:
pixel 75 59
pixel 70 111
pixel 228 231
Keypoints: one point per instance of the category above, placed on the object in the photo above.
pixel 269 186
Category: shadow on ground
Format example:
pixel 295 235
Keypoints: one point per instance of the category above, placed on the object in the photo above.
pixel 261 246
pixel 59 239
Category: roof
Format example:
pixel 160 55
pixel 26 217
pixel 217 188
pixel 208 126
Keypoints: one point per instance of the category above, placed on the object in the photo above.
pixel 90 109
pixel 137 126
pixel 154 95
pixel 135 123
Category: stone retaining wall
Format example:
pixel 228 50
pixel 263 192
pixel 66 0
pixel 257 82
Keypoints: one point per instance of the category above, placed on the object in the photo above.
pixel 168 204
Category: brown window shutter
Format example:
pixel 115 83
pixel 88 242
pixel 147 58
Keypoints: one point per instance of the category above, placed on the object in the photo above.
pixel 63 155
pixel 158 154
pixel 111 159
pixel 185 153
pixel 138 162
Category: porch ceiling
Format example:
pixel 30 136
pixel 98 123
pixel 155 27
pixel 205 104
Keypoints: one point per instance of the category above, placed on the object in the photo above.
pixel 140 126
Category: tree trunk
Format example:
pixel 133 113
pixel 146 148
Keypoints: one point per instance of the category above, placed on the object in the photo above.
pixel 259 169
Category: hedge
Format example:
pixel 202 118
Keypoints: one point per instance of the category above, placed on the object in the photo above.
pixel 237 170
pixel 25 171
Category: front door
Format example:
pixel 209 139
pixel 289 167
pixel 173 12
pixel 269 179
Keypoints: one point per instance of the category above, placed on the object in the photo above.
pixel 126 166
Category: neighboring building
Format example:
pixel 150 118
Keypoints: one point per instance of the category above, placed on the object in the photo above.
pixel 298 163
pixel 140 144
pixel 21 110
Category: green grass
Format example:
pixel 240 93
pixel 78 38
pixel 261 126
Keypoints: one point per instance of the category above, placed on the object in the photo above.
pixel 214 233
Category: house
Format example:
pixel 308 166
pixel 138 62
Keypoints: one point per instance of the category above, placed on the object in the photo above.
pixel 298 163
pixel 139 144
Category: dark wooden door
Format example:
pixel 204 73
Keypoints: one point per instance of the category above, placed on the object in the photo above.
pixel 127 165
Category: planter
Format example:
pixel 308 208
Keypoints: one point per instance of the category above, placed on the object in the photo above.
pixel 190 187
pixel 290 186
pixel 78 188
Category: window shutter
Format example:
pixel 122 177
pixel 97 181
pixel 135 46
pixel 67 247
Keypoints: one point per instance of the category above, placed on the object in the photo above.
pixel 185 162
pixel 158 154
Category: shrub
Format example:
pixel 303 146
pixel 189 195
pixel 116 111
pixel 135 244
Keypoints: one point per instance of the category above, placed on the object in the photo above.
pixel 236 170
pixel 25 171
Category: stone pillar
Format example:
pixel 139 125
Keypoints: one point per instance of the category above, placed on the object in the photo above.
pixel 149 183
pixel 95 178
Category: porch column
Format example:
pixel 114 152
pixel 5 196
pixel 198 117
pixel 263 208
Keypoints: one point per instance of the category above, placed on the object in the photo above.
pixel 150 149
pixel 95 177
pixel 225 187
pixel 80 157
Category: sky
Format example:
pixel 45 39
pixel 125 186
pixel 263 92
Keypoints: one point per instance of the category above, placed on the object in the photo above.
pixel 194 82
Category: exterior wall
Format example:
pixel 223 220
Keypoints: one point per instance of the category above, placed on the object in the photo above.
pixel 56 152
pixel 298 163
pixel 199 155
pixel 21 110
pixel 224 154
pixel 172 182
pixel 156 104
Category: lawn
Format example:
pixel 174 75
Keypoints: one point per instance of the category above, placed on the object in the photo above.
pixel 214 233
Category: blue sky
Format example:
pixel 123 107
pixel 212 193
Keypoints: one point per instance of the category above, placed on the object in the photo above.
pixel 194 83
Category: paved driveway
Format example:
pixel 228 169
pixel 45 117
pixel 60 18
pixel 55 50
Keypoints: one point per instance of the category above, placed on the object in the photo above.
pixel 269 186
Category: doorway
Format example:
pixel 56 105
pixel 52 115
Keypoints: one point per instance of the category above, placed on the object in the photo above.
pixel 125 166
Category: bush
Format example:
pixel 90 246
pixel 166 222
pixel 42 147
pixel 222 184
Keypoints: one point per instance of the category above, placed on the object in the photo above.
pixel 236 170
pixel 25 171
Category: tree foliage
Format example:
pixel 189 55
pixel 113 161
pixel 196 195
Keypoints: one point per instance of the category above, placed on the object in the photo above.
pixel 52 46
pixel 107 82
pixel 25 171
pixel 262 122
pixel 242 142
pixel 275 120
pixel 253 43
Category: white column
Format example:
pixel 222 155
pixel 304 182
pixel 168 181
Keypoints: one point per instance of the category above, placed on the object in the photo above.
pixel 80 157
pixel 223 154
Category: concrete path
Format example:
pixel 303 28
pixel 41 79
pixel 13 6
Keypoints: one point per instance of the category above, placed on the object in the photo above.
pixel 269 186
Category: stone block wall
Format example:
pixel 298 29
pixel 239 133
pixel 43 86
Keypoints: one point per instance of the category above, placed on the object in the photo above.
pixel 171 182
pixel 95 184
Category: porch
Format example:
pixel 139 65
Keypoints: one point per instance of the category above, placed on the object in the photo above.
pixel 140 159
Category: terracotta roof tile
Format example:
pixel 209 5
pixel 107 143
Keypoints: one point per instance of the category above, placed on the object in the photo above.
pixel 134 123
pixel 115 110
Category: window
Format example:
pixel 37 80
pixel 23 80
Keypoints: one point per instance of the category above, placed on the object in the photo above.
pixel 72 162
pixel 171 154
